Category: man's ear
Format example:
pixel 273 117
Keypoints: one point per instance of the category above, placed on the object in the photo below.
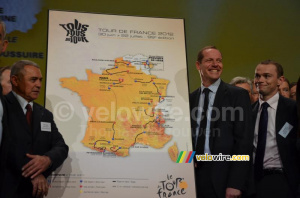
pixel 14 80
pixel 198 65
pixel 4 44
pixel 280 80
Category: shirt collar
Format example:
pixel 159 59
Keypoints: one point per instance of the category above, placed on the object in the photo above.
pixel 213 87
pixel 22 101
pixel 273 101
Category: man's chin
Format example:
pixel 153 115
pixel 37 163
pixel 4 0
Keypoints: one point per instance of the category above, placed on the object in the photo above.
pixel 214 78
pixel 262 92
pixel 35 96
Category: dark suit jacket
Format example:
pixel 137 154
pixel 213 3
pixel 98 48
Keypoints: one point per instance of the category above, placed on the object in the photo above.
pixel 286 112
pixel 1 159
pixel 19 140
pixel 231 134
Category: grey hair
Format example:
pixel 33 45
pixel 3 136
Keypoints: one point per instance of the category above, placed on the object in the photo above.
pixel 241 80
pixel 17 69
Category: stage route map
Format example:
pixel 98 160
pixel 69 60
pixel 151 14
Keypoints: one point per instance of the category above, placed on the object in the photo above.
pixel 121 105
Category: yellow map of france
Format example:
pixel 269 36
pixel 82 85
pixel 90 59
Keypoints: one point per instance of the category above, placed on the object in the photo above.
pixel 121 104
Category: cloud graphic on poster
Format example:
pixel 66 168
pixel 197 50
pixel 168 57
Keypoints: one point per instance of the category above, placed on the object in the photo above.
pixel 19 14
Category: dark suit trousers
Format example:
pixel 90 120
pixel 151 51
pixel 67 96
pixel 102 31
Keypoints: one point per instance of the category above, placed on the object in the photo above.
pixel 204 185
pixel 274 186
pixel 25 189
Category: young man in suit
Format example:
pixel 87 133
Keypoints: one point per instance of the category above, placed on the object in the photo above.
pixel 276 167
pixel 32 146
pixel 221 123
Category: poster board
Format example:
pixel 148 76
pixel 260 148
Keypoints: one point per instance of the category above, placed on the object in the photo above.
pixel 117 87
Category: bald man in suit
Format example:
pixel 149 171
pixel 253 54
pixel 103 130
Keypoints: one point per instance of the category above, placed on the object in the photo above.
pixel 220 124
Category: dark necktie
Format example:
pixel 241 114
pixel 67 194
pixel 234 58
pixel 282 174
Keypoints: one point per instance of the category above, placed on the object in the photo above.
pixel 261 143
pixel 203 123
pixel 29 115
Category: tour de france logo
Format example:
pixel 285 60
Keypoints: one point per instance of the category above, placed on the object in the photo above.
pixel 75 32
pixel 172 186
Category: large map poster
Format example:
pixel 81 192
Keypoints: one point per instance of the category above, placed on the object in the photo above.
pixel 117 86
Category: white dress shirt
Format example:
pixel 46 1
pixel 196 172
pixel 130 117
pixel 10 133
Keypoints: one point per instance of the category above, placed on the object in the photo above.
pixel 23 102
pixel 272 157
pixel 212 94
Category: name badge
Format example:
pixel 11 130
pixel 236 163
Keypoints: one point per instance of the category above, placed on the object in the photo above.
pixel 285 130
pixel 46 126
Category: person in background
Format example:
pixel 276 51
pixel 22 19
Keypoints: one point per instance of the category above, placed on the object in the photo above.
pixel 5 80
pixel 244 83
pixel 297 98
pixel 298 105
pixel 3 46
pixel 284 88
pixel 293 88
pixel 254 92
pixel 3 42
pixel 276 165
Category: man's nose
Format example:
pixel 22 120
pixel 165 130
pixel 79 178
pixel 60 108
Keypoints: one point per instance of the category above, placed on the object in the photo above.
pixel 38 83
pixel 215 63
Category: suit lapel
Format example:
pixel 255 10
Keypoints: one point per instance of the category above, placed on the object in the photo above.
pixel 220 95
pixel 195 125
pixel 196 102
pixel 255 107
pixel 281 115
pixel 221 92
pixel 36 119
pixel 18 111
pixel 281 118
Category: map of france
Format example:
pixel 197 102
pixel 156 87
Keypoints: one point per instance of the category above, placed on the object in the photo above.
pixel 121 104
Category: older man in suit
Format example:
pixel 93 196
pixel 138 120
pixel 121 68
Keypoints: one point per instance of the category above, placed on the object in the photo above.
pixel 32 145
pixel 221 123
pixel 276 165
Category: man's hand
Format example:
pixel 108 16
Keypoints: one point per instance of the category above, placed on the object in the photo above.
pixel 233 193
pixel 37 165
pixel 40 186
